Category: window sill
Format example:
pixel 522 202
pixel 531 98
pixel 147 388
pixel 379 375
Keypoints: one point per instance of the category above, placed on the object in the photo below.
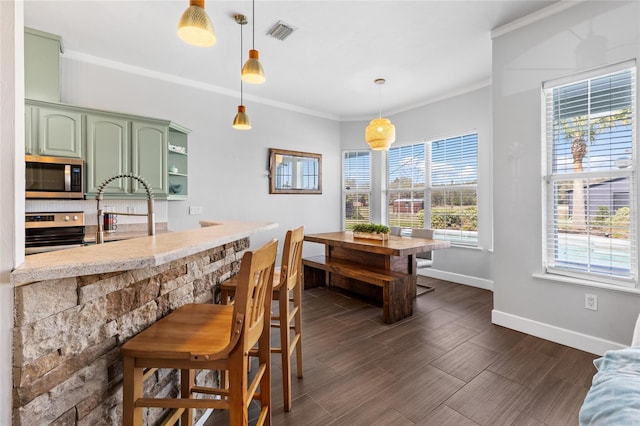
pixel 587 283
pixel 466 247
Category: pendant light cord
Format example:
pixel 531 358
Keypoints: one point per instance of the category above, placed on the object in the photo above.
pixel 379 100
pixel 241 50
pixel 253 19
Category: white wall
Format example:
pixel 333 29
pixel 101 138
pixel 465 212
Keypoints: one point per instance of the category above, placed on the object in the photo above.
pixel 11 182
pixel 228 174
pixel 522 60
pixel 451 117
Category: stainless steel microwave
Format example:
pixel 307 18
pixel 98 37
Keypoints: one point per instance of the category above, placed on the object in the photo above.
pixel 54 177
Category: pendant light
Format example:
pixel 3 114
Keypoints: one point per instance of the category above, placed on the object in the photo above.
pixel 195 27
pixel 380 133
pixel 241 120
pixel 252 71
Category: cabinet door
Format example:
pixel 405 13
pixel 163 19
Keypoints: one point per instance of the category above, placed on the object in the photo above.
pixel 28 130
pixel 59 133
pixel 107 153
pixel 149 156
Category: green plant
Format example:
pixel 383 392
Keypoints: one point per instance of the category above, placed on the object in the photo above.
pixel 371 228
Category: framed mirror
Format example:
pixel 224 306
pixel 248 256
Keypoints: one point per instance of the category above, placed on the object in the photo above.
pixel 294 172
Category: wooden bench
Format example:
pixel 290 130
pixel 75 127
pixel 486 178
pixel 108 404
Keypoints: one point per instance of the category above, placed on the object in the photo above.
pixel 397 297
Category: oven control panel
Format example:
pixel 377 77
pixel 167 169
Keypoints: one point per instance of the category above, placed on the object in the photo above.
pixel 53 220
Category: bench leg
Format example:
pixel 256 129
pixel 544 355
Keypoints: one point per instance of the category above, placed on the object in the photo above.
pixel 397 301
pixel 314 277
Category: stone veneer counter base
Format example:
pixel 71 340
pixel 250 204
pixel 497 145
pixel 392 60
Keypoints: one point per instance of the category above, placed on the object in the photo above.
pixel 73 310
pixel 135 253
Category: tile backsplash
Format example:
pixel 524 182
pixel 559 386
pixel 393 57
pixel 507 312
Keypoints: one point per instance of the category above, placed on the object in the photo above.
pixel 89 207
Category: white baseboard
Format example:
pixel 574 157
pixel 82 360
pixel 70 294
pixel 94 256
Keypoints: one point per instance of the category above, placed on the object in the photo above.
pixel 563 336
pixel 457 278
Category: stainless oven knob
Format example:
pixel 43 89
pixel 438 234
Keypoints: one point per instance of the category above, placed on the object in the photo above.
pixel 66 218
pixel 75 218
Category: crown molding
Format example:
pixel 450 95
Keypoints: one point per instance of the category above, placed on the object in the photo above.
pixel 145 72
pixel 535 17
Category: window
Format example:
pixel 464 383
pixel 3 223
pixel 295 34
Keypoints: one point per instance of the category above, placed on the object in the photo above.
pixel 406 186
pixel 589 180
pixel 440 179
pixel 356 187
pixel 454 188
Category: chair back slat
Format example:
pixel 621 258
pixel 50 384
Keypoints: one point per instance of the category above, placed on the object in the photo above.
pixel 291 266
pixel 255 281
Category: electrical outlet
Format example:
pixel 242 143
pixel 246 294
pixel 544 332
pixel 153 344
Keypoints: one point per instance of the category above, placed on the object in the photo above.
pixel 195 210
pixel 591 302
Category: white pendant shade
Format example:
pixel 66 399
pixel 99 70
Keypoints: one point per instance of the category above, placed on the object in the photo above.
pixel 380 134
pixel 241 120
pixel 195 27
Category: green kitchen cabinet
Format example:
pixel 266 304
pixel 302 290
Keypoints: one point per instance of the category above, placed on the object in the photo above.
pixel 42 65
pixel 108 153
pixel 178 160
pixel 28 130
pixel 53 130
pixel 149 156
pixel 122 145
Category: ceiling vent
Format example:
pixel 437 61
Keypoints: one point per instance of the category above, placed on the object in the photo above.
pixel 280 30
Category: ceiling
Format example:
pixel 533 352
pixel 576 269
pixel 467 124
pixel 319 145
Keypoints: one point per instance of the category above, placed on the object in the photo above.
pixel 426 50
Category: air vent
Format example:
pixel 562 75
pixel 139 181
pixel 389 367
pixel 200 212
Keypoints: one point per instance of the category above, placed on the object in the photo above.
pixel 280 30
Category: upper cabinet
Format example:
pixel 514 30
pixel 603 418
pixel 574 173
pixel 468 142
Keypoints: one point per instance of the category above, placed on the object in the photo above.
pixel 53 130
pixel 149 155
pixel 42 65
pixel 108 153
pixel 122 145
pixel 178 162
pixel 112 144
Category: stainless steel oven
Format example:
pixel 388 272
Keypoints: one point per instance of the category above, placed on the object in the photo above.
pixel 53 231
pixel 54 177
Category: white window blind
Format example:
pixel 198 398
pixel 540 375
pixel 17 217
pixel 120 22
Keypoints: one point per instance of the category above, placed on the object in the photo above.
pixel 454 188
pixel 406 184
pixel 356 187
pixel 590 184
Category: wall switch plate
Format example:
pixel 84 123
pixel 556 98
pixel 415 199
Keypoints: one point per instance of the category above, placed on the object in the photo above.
pixel 195 210
pixel 591 302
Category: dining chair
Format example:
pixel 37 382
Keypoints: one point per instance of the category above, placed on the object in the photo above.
pixel 425 259
pixel 213 337
pixel 287 290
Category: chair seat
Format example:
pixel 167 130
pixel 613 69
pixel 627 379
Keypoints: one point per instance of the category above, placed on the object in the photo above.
pixel 190 329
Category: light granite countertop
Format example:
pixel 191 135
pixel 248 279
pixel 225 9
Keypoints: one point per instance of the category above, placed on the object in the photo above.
pixel 133 253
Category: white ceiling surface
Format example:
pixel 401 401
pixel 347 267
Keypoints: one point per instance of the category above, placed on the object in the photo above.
pixel 426 50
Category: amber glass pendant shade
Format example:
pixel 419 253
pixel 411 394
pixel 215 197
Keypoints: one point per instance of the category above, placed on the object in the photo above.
pixel 195 27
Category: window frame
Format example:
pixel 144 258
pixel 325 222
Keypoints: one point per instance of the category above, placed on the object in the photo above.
pixel 429 187
pixel 550 179
pixel 442 233
pixel 344 191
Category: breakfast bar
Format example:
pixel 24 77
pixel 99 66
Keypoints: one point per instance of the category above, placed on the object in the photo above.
pixel 384 270
pixel 75 308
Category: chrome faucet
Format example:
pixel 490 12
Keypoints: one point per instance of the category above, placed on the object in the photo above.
pixel 151 223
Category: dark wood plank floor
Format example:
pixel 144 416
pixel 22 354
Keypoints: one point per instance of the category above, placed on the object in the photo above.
pixel 446 365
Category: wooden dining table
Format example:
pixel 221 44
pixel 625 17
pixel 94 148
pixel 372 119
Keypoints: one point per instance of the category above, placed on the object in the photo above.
pixel 382 270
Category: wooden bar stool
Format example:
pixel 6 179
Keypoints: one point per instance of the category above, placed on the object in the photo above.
pixel 214 337
pixel 287 290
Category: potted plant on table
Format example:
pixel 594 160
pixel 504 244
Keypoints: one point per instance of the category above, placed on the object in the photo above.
pixel 371 231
